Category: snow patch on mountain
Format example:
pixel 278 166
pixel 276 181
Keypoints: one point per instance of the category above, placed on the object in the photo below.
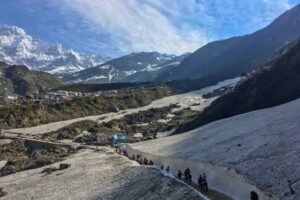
pixel 19 48
pixel 135 67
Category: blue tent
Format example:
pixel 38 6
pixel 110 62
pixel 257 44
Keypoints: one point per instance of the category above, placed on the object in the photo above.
pixel 119 137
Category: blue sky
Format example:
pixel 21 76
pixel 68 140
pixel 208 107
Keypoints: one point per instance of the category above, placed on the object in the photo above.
pixel 118 27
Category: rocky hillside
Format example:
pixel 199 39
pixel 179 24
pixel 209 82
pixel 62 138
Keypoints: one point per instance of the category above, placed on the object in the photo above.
pixel 19 48
pixel 23 81
pixel 276 83
pixel 232 57
pixel 135 67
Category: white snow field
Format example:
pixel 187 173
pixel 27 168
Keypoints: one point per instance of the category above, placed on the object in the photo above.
pixel 192 99
pixel 96 175
pixel 258 151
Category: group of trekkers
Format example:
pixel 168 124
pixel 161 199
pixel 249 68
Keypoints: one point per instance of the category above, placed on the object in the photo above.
pixel 141 161
pixel 202 182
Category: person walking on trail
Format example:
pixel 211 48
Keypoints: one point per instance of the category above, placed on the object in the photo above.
pixel 200 185
pixel 162 167
pixel 254 196
pixel 145 161
pixel 205 186
pixel 168 169
pixel 186 174
pixel 204 183
pixel 179 174
pixel 189 179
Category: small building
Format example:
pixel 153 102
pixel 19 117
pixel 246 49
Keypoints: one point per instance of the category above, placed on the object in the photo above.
pixel 138 136
pixel 9 96
pixel 61 95
pixel 67 98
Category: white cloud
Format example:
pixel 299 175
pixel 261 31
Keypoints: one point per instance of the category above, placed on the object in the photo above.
pixel 275 6
pixel 169 26
pixel 135 25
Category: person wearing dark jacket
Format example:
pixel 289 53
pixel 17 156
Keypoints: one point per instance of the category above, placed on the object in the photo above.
pixel 254 196
pixel 168 169
pixel 179 174
pixel 189 179
pixel 186 174
pixel 200 185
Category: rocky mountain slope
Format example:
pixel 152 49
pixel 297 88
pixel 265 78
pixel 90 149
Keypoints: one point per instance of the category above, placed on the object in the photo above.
pixel 232 57
pixel 16 47
pixel 21 80
pixel 276 83
pixel 135 67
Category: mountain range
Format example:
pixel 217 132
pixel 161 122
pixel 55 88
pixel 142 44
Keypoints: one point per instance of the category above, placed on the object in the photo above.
pixel 211 63
pixel 17 47
pixel 217 60
pixel 232 57
pixel 135 67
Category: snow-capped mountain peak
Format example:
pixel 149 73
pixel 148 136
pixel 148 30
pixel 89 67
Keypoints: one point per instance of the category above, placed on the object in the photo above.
pixel 17 47
pixel 135 67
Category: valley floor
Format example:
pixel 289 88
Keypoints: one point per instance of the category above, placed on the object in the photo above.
pixel 103 174
pixel 193 99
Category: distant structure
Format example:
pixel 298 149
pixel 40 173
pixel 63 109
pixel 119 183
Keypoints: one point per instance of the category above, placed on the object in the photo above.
pixel 9 96
pixel 61 95
pixel 115 139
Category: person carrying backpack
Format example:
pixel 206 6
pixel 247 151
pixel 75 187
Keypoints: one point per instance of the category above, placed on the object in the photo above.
pixel 179 174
